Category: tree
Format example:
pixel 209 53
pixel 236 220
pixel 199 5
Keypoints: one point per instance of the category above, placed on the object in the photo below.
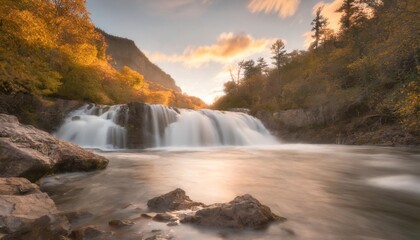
pixel 347 10
pixel 279 54
pixel 262 66
pixel 318 27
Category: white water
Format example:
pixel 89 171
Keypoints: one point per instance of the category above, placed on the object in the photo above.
pixel 99 127
pixel 94 126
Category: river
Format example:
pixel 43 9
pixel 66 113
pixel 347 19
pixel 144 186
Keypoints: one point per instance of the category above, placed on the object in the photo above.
pixel 324 191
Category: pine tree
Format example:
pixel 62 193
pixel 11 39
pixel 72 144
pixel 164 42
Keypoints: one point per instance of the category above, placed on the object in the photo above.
pixel 318 27
pixel 347 9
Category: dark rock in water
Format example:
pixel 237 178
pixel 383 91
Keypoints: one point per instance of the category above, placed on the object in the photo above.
pixel 149 215
pixel 75 118
pixel 76 216
pixel 26 213
pixel 31 153
pixel 120 223
pixel 158 235
pixel 175 200
pixel 90 233
pixel 164 217
pixel 243 212
pixel 135 125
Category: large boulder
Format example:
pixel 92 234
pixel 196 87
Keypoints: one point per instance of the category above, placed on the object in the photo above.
pixel 31 153
pixel 172 201
pixel 242 212
pixel 26 213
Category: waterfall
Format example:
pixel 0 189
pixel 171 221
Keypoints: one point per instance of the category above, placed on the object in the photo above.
pixel 95 126
pixel 112 127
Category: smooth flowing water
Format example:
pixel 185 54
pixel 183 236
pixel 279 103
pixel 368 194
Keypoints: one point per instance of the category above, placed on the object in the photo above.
pixel 325 191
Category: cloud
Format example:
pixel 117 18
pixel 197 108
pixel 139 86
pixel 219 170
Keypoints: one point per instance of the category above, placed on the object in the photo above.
pixel 178 7
pixel 228 47
pixel 285 8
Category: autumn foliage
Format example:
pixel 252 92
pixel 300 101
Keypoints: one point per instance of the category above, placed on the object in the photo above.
pixel 51 48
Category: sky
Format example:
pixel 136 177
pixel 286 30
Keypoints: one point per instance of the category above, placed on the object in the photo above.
pixel 198 41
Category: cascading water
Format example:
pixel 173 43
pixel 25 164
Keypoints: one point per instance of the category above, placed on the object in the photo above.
pixel 114 126
pixel 95 126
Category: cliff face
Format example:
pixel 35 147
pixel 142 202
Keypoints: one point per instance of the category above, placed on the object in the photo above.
pixel 124 52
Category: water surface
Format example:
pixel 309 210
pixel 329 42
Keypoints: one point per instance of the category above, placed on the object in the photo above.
pixel 325 191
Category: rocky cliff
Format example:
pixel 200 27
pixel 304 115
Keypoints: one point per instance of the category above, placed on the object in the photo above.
pixel 124 52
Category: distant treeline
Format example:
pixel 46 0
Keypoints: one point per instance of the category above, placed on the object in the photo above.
pixel 51 48
pixel 371 65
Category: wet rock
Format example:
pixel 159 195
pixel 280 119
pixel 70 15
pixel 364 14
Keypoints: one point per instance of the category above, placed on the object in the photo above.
pixel 77 216
pixel 149 215
pixel 242 212
pixel 26 213
pixel 120 223
pixel 31 153
pixel 175 200
pixel 158 235
pixel 172 224
pixel 90 232
pixel 75 118
pixel 164 217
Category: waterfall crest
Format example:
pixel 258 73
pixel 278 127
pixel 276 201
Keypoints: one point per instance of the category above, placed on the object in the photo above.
pixel 95 126
pixel 112 127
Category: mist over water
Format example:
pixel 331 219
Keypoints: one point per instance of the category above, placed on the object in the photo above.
pixel 325 191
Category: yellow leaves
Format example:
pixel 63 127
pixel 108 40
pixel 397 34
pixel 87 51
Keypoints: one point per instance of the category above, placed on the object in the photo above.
pixel 409 107
pixel 80 54
pixel 30 28
pixel 130 77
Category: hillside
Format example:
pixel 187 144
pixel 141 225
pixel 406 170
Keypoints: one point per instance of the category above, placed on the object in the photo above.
pixel 359 85
pixel 52 49
pixel 124 52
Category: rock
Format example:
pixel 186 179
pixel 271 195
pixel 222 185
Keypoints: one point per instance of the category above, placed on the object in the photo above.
pixel 148 215
pixel 164 217
pixel 90 232
pixel 120 223
pixel 175 200
pixel 242 212
pixel 26 213
pixel 172 224
pixel 43 113
pixel 17 186
pixel 76 216
pixel 75 118
pixel 135 125
pixel 158 235
pixel 31 153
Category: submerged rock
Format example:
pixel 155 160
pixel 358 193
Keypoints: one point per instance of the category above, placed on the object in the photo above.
pixel 90 232
pixel 120 223
pixel 242 212
pixel 175 200
pixel 31 153
pixel 26 213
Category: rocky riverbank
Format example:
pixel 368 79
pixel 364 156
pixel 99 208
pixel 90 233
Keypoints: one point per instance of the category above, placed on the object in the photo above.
pixel 31 153
pixel 319 126
pixel 27 154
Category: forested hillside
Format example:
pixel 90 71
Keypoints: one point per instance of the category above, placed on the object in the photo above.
pixel 363 77
pixel 51 48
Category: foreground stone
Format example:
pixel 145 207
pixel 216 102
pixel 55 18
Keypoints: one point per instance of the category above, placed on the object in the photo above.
pixel 242 212
pixel 26 213
pixel 172 201
pixel 31 153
